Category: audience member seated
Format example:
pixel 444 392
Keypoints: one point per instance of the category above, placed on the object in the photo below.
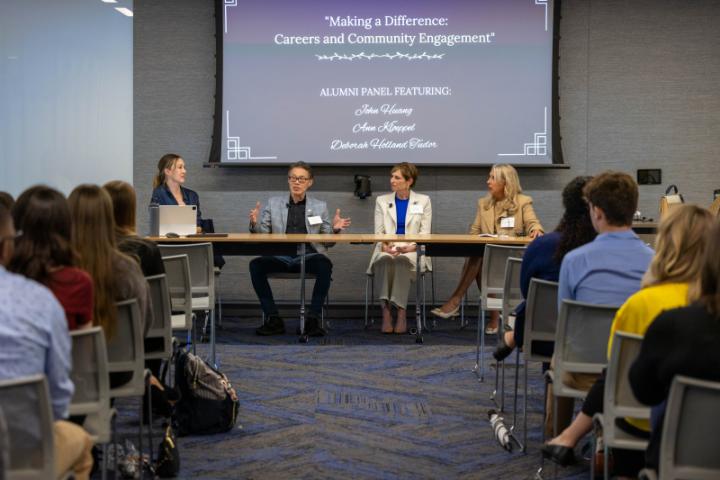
pixel 605 271
pixel 44 252
pixel 543 256
pixel 683 341
pixel 116 276
pixel 7 200
pixel 150 260
pixel 680 246
pixel 296 212
pixel 146 252
pixel 503 211
pixel 400 212
pixel 34 340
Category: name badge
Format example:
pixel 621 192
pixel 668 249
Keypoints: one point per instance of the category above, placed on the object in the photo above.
pixel 507 222
pixel 315 220
pixel 416 209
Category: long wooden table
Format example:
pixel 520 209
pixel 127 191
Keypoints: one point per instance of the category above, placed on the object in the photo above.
pixel 433 245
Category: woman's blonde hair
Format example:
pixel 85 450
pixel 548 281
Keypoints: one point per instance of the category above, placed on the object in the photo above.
pixel 122 195
pixel 167 161
pixel 508 175
pixel 679 246
pixel 93 237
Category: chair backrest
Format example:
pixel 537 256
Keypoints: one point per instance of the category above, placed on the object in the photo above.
pixel 581 341
pixel 512 295
pixel 161 326
pixel 28 413
pixel 126 349
pixel 493 268
pixel 4 446
pixel 620 401
pixel 691 422
pixel 89 372
pixel 177 277
pixel 541 315
pixel 202 268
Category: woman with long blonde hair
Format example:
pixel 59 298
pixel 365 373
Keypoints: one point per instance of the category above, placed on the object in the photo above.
pixel 505 211
pixel 673 273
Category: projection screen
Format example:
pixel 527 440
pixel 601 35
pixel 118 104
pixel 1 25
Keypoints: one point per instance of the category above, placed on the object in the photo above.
pixel 342 82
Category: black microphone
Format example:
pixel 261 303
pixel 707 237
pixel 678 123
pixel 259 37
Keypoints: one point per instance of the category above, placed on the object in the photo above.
pixel 287 205
pixel 389 205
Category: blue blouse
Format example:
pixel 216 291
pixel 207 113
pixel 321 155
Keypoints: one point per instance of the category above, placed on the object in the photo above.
pixel 401 209
pixel 161 195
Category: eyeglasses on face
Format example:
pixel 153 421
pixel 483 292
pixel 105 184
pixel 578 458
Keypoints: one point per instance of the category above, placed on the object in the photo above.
pixel 294 179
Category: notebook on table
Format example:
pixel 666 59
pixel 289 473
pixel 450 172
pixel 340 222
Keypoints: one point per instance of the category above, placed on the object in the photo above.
pixel 180 219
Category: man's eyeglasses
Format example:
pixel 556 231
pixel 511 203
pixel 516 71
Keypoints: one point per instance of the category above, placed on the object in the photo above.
pixel 294 179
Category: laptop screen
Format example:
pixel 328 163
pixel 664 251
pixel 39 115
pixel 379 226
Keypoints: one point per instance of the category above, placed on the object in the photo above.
pixel 180 219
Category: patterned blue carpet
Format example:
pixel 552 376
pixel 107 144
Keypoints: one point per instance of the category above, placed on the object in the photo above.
pixel 358 404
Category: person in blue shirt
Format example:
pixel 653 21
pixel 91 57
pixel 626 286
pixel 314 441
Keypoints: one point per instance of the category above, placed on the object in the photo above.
pixel 168 186
pixel 606 271
pixel 543 256
pixel 34 340
pixel 401 212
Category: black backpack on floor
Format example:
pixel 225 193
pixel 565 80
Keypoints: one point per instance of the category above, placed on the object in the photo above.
pixel 208 402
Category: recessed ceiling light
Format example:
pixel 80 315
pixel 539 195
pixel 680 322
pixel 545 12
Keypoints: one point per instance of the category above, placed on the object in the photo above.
pixel 109 1
pixel 125 11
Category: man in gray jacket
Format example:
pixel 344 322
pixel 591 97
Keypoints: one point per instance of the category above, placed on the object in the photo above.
pixel 297 213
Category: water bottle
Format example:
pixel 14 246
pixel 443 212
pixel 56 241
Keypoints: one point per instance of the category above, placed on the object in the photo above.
pixel 154 211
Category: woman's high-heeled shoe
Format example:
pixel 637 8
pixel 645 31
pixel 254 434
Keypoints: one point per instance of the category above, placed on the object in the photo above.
pixel 438 312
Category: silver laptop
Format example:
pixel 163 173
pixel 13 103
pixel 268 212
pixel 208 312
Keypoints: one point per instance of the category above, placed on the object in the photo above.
pixel 180 219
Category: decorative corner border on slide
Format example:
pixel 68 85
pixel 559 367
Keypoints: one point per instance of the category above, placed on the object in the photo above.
pixel 235 151
pixel 233 3
pixel 538 147
pixel 537 2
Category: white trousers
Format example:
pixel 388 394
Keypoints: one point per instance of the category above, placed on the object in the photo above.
pixel 395 275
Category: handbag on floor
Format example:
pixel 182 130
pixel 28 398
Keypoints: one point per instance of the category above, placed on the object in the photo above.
pixel 208 403
pixel 168 459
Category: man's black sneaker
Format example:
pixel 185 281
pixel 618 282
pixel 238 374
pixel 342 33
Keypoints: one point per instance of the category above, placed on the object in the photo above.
pixel 312 326
pixel 273 326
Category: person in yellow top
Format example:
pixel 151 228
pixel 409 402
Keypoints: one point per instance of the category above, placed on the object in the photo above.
pixel 674 269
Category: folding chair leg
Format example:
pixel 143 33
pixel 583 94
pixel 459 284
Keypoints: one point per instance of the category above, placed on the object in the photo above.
pixel 482 345
pixel 148 388
pixel 103 467
pixel 367 300
pixel 194 333
pixel 372 300
pixel 476 368
pixel 218 293
pixel 140 445
pixel 115 445
pixel 525 404
pixel 212 338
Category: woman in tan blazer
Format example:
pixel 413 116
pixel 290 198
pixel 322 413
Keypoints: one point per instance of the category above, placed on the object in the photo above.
pixel 505 211
pixel 393 263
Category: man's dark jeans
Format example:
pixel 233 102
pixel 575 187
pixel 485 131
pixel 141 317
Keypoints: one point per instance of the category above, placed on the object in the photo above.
pixel 315 263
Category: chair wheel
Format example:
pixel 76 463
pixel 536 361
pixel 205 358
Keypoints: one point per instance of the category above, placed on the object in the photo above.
pixel 419 339
pixel 303 339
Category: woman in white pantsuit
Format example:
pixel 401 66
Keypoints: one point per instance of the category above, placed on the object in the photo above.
pixel 401 212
